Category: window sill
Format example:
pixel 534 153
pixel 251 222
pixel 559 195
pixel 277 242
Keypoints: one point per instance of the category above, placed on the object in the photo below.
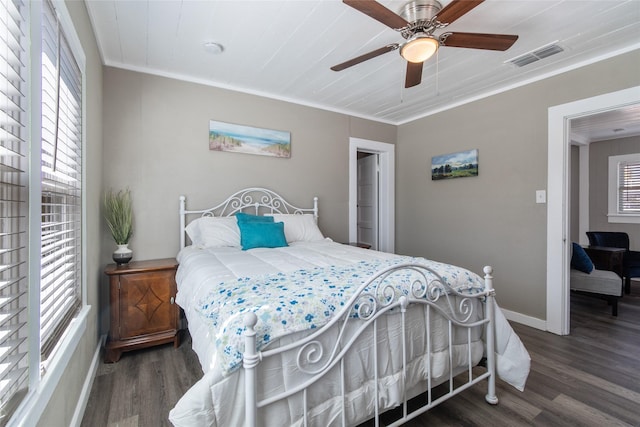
pixel 36 401
pixel 626 219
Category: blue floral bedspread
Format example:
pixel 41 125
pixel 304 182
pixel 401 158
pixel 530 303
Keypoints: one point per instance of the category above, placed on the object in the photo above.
pixel 304 299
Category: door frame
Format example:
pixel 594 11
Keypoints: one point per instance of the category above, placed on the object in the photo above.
pixel 386 199
pixel 558 186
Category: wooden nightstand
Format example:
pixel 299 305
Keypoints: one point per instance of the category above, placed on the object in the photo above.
pixel 142 306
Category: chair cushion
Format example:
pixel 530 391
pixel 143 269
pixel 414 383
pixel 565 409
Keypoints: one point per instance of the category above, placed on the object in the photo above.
pixel 580 260
pixel 601 282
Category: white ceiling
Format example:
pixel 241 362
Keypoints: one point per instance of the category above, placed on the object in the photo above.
pixel 284 49
pixel 607 125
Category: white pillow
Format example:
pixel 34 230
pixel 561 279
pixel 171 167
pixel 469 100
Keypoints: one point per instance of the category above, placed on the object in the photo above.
pixel 299 228
pixel 209 232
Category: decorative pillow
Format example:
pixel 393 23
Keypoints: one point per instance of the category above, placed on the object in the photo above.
pixel 245 217
pixel 262 235
pixel 580 260
pixel 210 232
pixel 299 228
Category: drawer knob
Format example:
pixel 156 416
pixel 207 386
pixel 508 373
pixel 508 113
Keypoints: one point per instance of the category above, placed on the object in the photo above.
pixel 172 300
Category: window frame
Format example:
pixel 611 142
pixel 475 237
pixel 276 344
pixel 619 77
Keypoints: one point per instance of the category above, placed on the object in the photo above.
pixel 44 378
pixel 61 184
pixel 614 215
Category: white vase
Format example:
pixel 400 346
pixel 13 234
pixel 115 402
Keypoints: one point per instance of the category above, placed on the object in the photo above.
pixel 123 254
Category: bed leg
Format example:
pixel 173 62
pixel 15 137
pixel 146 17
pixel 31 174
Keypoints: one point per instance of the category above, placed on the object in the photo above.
pixel 250 360
pixel 490 334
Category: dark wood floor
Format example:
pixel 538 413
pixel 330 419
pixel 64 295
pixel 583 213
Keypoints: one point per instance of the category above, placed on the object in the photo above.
pixel 589 378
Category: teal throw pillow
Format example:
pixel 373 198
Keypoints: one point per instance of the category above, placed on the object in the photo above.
pixel 262 235
pixel 245 217
pixel 580 260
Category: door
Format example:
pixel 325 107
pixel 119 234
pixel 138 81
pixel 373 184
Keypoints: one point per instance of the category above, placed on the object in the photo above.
pixel 367 222
pixel 558 223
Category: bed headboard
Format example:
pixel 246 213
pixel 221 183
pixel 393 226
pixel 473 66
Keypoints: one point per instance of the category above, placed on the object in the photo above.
pixel 256 200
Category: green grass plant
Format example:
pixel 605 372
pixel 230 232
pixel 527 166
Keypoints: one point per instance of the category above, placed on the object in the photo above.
pixel 118 212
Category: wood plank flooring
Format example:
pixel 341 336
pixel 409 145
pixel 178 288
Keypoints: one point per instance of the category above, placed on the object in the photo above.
pixel 589 378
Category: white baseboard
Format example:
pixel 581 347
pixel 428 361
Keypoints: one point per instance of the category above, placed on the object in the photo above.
pixel 525 320
pixel 83 399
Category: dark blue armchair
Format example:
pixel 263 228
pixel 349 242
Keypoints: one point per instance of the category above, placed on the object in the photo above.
pixel 614 239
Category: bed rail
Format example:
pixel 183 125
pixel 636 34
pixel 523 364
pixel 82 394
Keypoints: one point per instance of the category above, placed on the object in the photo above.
pixel 381 295
pixel 254 199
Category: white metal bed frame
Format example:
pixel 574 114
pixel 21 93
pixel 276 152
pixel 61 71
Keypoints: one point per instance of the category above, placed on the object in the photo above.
pixel 373 299
pixel 260 200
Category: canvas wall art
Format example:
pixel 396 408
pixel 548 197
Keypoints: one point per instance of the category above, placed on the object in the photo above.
pixel 249 140
pixel 455 165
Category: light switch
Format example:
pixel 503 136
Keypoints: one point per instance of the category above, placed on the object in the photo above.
pixel 541 196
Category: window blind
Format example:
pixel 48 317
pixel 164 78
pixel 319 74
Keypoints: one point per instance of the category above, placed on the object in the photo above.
pixel 61 255
pixel 14 377
pixel 629 187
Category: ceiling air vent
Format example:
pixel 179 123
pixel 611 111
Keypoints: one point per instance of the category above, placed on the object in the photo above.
pixel 536 55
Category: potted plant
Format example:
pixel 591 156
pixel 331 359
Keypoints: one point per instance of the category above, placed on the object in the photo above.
pixel 119 215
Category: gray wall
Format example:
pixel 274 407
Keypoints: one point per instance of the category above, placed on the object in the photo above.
pixel 156 143
pixel 599 153
pixel 60 409
pixel 493 218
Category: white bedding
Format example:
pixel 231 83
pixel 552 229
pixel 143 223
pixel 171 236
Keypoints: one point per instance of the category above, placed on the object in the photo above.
pixel 218 398
pixel 202 269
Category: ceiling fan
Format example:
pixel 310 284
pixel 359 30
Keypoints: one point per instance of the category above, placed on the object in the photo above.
pixel 417 22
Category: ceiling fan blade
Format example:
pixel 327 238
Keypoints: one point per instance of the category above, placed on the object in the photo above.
pixel 456 9
pixel 366 56
pixel 478 40
pixel 414 74
pixel 378 12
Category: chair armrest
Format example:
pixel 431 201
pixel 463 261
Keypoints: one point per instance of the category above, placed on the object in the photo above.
pixel 607 259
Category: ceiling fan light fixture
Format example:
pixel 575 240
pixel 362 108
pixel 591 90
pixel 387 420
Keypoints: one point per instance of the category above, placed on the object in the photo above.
pixel 419 48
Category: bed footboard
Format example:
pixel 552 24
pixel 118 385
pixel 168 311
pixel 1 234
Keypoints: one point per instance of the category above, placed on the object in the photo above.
pixel 461 316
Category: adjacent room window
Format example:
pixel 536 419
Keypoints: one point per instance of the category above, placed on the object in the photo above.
pixel 42 141
pixel 624 188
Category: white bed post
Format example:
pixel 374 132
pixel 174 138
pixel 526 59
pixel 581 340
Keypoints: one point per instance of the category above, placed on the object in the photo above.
pixel 182 222
pixel 315 209
pixel 490 333
pixel 250 360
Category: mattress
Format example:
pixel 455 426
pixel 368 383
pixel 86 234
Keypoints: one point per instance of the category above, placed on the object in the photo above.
pixel 218 398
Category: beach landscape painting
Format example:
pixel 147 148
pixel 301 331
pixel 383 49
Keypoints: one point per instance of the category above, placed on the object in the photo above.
pixel 249 140
pixel 455 165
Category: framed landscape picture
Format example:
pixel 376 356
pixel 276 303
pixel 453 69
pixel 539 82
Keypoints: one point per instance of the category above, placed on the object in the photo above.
pixel 249 140
pixel 455 165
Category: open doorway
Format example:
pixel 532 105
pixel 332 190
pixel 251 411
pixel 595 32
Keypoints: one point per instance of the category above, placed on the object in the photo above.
pixel 372 193
pixel 558 192
pixel 368 205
